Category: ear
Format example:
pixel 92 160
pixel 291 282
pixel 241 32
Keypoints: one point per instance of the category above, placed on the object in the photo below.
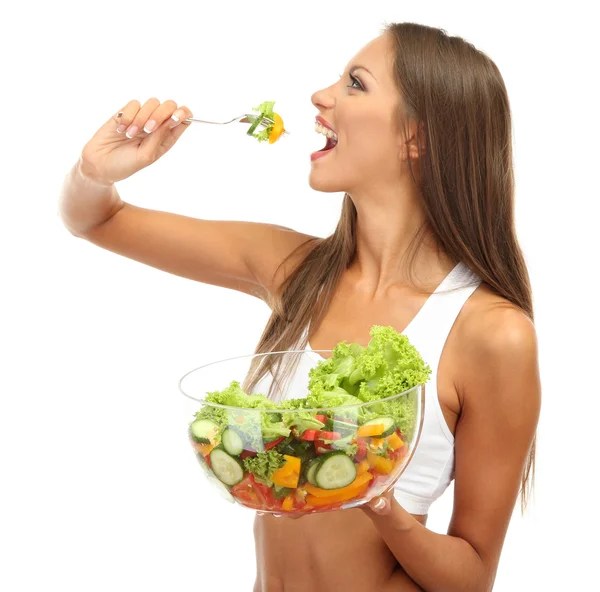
pixel 410 146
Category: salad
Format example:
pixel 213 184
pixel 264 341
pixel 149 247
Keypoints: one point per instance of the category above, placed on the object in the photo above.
pixel 300 455
pixel 272 132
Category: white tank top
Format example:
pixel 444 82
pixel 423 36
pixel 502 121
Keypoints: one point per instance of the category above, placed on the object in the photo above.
pixel 431 469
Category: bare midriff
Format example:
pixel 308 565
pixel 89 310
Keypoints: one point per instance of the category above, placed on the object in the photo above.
pixel 339 550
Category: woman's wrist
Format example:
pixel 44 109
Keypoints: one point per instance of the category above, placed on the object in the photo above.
pixel 87 174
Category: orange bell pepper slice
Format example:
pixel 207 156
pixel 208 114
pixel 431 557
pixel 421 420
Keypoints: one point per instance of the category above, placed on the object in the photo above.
pixel 379 463
pixel 348 494
pixel 362 467
pixel 288 503
pixel 395 441
pixel 277 129
pixel 377 442
pixel 202 448
pixel 375 429
pixel 289 474
pixel 358 482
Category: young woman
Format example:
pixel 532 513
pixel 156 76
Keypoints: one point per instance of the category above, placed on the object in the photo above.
pixel 425 243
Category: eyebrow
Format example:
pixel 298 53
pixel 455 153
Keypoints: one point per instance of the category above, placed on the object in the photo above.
pixel 357 67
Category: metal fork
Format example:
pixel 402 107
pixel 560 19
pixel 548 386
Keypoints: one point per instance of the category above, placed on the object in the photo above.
pixel 245 118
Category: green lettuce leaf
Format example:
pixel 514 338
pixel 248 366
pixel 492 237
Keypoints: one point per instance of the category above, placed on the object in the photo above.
pixel 264 464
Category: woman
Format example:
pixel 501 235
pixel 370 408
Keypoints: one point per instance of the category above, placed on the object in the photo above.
pixel 424 156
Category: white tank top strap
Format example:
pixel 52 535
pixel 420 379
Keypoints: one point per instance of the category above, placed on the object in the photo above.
pixel 429 330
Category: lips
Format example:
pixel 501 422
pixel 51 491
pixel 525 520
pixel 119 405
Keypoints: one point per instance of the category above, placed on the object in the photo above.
pixel 325 123
pixel 331 144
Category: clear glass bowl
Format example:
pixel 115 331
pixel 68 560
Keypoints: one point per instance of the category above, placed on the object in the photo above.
pixel 357 458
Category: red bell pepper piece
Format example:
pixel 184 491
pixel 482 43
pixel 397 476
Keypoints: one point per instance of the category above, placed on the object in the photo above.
pixel 310 435
pixel 246 453
pixel 321 418
pixel 322 447
pixel 264 493
pixel 329 435
pixel 245 493
pixel 274 443
pixel 361 452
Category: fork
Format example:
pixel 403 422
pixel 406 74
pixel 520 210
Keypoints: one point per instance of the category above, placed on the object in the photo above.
pixel 245 118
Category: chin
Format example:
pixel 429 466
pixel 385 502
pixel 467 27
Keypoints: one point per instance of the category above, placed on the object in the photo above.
pixel 321 181
pixel 324 186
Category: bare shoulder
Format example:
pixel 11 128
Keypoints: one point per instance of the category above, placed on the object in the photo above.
pixel 490 321
pixel 493 334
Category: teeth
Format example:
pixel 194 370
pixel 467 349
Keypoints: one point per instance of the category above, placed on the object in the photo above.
pixel 321 129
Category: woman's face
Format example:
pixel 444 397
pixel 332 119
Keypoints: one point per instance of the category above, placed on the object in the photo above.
pixel 361 107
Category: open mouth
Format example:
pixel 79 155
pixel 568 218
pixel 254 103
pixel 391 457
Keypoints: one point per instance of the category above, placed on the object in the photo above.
pixel 330 145
pixel 332 139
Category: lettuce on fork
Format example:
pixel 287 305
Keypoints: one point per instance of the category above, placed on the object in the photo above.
pixel 266 109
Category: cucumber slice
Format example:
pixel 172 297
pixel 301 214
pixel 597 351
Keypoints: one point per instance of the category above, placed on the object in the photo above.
pixel 204 431
pixel 232 441
pixel 335 470
pixel 343 443
pixel 344 427
pixel 227 469
pixel 389 427
pixel 312 469
pixel 256 123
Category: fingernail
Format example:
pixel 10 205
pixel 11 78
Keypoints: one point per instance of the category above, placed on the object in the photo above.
pixel 150 126
pixel 121 128
pixel 176 117
pixel 380 504
pixel 132 131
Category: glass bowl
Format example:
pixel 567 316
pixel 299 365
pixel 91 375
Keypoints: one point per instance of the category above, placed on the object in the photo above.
pixel 346 456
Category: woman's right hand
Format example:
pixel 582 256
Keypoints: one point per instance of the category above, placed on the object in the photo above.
pixel 111 156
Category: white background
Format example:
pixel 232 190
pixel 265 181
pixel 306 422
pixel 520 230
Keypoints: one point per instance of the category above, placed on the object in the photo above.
pixel 99 487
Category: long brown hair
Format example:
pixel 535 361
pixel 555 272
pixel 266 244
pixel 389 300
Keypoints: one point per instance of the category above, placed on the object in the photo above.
pixel 457 95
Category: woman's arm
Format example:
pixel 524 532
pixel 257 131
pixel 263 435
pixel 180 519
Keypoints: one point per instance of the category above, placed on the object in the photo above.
pixel 500 404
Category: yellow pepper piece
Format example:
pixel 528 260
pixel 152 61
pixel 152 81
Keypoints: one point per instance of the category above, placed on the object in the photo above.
pixel 347 494
pixel 277 129
pixel 362 467
pixel 289 474
pixel 293 462
pixel 288 503
pixel 379 463
pixel 285 480
pixel 358 482
pixel 371 430
pixel 203 448
pixel 377 442
pixel 395 441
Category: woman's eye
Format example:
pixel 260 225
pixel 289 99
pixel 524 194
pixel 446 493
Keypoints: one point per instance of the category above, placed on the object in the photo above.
pixel 354 81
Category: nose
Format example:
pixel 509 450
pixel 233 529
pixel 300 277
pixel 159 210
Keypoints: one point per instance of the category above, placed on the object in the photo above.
pixel 323 99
